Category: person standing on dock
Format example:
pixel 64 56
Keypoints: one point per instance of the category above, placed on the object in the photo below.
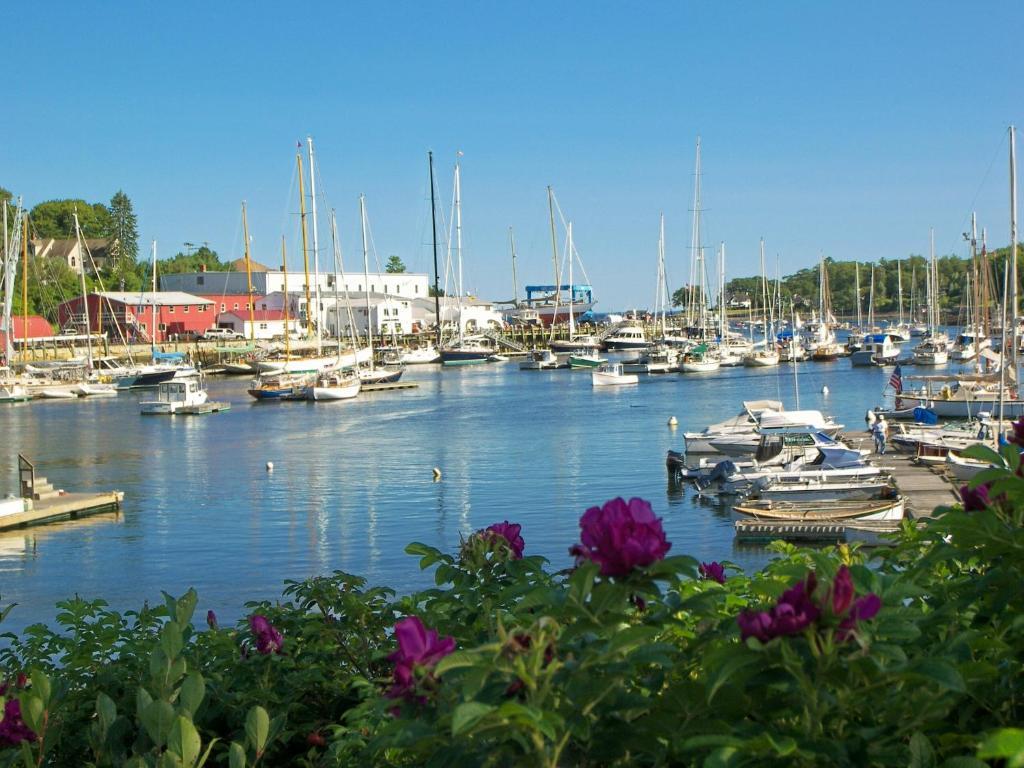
pixel 880 431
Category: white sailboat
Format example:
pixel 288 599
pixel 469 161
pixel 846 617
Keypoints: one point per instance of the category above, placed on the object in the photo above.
pixel 933 348
pixel 768 355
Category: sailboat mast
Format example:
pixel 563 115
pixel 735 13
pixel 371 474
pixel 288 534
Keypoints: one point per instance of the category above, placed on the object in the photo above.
pixel 764 295
pixel 24 288
pixel 933 296
pixel 515 277
pixel 316 247
pixel 366 275
pixel 458 237
pixel 695 248
pixel 662 300
pixel 856 294
pixel 284 275
pixel 899 290
pixel 1013 245
pixel 152 335
pixel 554 257
pixel 572 327
pixel 305 247
pixel 722 312
pixel 248 276
pixel 972 316
pixel 433 229
pixel 85 296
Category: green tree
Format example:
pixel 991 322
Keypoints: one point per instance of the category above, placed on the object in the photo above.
pixel 395 265
pixel 5 195
pixel 191 262
pixel 124 228
pixel 55 218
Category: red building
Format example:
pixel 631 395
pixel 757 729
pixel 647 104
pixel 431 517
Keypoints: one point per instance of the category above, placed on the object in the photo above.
pixel 38 330
pixel 231 302
pixel 129 316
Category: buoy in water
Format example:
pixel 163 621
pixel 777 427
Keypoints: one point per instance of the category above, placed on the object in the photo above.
pixel 824 390
pixel 437 473
pixel 673 421
pixel 270 466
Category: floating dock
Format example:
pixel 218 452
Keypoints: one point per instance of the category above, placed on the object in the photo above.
pixel 752 530
pixel 925 486
pixel 62 505
pixel 386 386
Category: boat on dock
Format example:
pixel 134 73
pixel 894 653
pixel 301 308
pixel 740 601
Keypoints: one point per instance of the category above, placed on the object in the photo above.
pixel 183 396
pixel 874 510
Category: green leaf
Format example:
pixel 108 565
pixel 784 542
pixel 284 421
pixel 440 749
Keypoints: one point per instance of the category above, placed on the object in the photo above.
pixel 158 719
pixel 964 762
pixel 921 753
pixel 236 756
pixel 106 711
pixel 32 710
pixel 257 727
pixel 737 660
pixel 941 672
pixel 41 686
pixel 455 660
pixel 183 741
pixel 185 607
pixel 468 714
pixel 982 453
pixel 192 692
pixel 581 583
pixel 170 640
pixel 1006 743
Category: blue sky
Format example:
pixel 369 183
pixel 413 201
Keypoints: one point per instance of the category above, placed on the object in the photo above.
pixel 843 128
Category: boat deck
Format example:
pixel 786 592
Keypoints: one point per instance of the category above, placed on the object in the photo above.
pixel 65 505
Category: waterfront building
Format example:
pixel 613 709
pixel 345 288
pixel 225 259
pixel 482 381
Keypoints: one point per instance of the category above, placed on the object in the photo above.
pixel 408 285
pixel 39 330
pixel 95 253
pixel 129 316
pixel 265 323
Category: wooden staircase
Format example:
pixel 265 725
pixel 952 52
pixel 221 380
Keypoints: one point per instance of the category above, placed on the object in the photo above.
pixel 45 490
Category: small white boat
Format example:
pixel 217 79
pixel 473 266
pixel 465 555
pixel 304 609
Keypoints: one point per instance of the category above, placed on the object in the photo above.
pixel 420 355
pixel 13 393
pixel 174 396
pixel 496 358
pixel 539 360
pixel 333 386
pixel 89 389
pixel 611 374
pixel 762 358
pixel 831 511
pixel 57 393
pixel 963 469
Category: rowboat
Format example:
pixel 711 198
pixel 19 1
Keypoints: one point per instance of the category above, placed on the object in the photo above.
pixel 888 510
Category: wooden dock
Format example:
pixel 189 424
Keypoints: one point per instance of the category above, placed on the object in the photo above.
pixel 388 386
pixel 924 486
pixel 71 505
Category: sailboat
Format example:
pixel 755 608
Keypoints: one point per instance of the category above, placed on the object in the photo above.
pixel 370 373
pixel 463 350
pixel 822 343
pixel 933 348
pixel 338 383
pixel 768 355
pixel 10 390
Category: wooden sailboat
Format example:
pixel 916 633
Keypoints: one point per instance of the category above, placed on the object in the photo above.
pixel 823 344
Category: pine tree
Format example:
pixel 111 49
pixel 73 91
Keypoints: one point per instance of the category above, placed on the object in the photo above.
pixel 123 228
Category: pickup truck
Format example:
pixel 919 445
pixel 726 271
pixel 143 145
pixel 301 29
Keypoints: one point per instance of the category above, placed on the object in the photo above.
pixel 221 334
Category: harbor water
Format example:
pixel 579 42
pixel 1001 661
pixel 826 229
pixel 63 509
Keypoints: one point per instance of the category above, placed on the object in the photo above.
pixel 352 482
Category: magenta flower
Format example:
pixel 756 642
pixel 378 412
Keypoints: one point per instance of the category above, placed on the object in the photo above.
pixel 621 536
pixel 791 615
pixel 13 730
pixel 510 533
pixel 975 499
pixel 211 620
pixel 1018 432
pixel 268 639
pixel 864 608
pixel 712 571
pixel 842 591
pixel 417 647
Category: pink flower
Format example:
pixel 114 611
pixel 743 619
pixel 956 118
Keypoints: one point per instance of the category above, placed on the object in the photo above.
pixel 621 536
pixel 1018 432
pixel 975 499
pixel 791 615
pixel 712 571
pixel 864 608
pixel 13 730
pixel 510 533
pixel 417 647
pixel 268 638
pixel 211 620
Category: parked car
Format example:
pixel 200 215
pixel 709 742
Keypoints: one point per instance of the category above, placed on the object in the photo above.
pixel 221 334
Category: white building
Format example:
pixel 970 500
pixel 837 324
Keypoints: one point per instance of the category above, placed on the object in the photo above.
pixel 411 285
pixel 266 323
pixel 389 314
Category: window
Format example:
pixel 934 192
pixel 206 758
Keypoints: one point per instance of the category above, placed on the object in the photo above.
pixel 247 305
pixel 263 326
pixel 201 280
pixel 162 327
pixel 171 310
pixel 223 307
pixel 72 261
pixel 235 305
pixel 417 289
pixel 185 310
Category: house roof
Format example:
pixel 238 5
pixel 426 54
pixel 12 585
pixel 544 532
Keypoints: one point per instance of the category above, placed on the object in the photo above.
pixel 148 298
pixel 257 314
pixel 238 265
pixel 231 298
pixel 38 327
pixel 52 247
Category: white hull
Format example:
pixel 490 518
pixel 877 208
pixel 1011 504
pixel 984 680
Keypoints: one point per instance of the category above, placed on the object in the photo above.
pixel 701 366
pixel 931 358
pixel 612 375
pixel 761 360
pixel 57 393
pixel 96 390
pixel 315 364
pixel 421 356
pixel 322 394
pixel 964 470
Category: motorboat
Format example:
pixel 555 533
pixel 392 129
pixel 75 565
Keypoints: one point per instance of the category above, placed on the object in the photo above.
pixel 381 375
pixel 967 346
pixel 626 337
pixel 611 374
pixel 420 355
pixel 932 350
pixel 175 396
pixel 539 360
pixel 88 389
pixel 586 358
pixel 279 387
pixel 56 393
pixel 745 421
pixel 876 349
pixel 779 444
pixel 13 393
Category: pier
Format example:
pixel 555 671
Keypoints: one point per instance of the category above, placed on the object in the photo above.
pixel 40 502
pixel 924 486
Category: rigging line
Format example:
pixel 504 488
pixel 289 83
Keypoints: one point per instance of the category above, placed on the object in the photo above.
pixel 995 156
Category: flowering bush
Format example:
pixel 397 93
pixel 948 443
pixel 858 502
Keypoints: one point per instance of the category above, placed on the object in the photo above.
pixel 907 655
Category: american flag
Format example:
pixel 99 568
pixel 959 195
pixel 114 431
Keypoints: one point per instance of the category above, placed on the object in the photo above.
pixel 896 380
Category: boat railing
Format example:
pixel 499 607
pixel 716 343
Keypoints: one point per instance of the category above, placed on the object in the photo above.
pixel 26 477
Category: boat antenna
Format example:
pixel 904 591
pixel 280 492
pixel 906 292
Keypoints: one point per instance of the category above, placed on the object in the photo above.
pixel 433 227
